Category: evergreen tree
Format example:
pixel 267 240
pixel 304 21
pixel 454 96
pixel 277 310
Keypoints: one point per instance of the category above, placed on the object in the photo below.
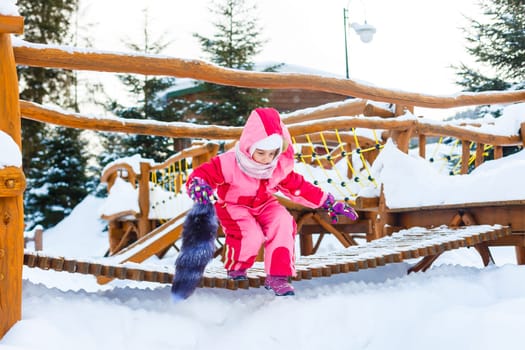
pixel 234 45
pixel 60 183
pixel 149 105
pixel 497 42
pixel 54 158
pixel 45 22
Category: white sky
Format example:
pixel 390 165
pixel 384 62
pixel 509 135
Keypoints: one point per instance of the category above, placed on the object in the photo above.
pixel 415 43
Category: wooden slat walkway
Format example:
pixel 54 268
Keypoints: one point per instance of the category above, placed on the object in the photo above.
pixel 406 244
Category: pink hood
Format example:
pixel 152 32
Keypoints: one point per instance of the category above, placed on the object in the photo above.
pixel 262 123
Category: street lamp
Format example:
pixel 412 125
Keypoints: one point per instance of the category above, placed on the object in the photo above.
pixel 365 31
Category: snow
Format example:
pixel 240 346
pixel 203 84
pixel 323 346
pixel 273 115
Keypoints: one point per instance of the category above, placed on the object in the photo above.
pixel 10 155
pixel 8 8
pixel 457 304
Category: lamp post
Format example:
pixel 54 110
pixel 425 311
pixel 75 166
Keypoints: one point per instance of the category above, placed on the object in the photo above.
pixel 365 31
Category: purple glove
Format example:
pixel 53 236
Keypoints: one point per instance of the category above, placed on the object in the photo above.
pixel 200 191
pixel 338 208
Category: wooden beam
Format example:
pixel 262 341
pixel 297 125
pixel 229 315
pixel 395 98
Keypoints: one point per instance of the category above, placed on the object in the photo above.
pixel 372 110
pixel 366 202
pixel 11 208
pixel 351 107
pixel 39 55
pixel 42 114
pixel 11 24
pixel 463 133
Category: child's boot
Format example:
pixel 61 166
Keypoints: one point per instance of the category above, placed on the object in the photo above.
pixel 279 284
pixel 237 275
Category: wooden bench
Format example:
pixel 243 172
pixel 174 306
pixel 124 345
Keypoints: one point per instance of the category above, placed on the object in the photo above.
pixel 385 220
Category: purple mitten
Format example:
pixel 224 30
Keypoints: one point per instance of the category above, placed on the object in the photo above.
pixel 338 208
pixel 345 210
pixel 200 191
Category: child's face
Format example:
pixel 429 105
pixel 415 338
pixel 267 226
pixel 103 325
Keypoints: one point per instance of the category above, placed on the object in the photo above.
pixel 264 156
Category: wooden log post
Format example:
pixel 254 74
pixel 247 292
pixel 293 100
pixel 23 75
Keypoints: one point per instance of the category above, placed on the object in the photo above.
pixel 465 156
pixel 144 224
pixel 11 204
pixel 522 133
pixel 480 150
pixel 402 137
pixel 422 145
pixel 39 239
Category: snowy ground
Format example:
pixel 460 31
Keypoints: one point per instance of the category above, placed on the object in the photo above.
pixel 455 305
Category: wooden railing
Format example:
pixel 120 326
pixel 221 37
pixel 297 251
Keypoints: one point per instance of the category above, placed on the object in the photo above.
pixel 120 231
pixel 11 110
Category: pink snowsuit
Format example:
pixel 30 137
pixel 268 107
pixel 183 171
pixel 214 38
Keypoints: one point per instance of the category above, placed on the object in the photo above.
pixel 247 210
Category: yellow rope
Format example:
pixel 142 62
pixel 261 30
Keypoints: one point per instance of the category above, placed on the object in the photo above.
pixel 349 163
pixel 363 159
pixel 440 141
pixel 321 164
pixel 179 176
pixel 343 183
pixel 452 148
pixel 302 159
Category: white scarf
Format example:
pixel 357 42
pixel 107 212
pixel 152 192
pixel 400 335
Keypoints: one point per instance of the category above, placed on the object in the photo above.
pixel 251 168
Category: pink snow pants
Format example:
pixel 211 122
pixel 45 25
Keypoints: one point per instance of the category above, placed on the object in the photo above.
pixel 247 229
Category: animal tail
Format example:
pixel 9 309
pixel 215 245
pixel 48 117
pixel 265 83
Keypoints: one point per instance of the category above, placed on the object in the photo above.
pixel 198 246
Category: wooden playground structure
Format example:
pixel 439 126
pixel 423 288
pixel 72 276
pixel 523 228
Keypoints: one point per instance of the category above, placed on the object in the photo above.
pixel 321 136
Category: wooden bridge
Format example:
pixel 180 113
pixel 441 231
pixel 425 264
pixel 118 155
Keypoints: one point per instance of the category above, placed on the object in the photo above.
pixel 391 234
pixel 415 243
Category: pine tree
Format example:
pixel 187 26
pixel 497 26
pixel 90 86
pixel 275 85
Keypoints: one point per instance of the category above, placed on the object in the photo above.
pixel 54 158
pixel 497 42
pixel 45 22
pixel 149 105
pixel 61 180
pixel 234 45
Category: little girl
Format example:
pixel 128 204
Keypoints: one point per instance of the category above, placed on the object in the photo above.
pixel 245 179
